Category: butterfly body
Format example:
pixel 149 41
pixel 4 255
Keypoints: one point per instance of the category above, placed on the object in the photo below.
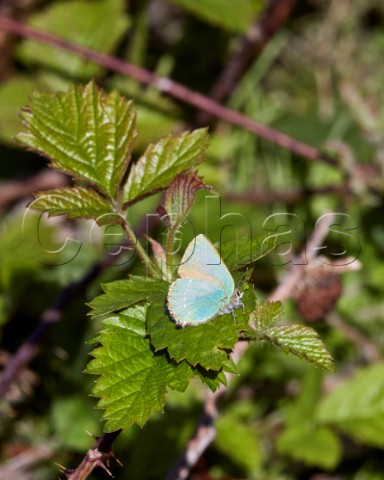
pixel 205 288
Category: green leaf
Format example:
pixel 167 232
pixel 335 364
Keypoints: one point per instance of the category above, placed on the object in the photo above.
pixel 207 345
pixel 162 161
pixel 300 340
pixel 74 202
pixel 133 380
pixel 84 133
pixel 239 442
pixel 203 344
pixel 234 15
pixel 96 25
pixel 317 447
pixel 212 378
pixel 357 406
pixel 266 314
pixel 123 293
pixel 242 252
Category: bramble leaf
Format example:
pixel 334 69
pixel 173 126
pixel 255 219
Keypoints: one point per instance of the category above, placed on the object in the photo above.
pixel 207 345
pixel 162 161
pixel 133 380
pixel 74 202
pixel 242 252
pixel 83 132
pixel 300 340
pixel 203 344
pixel 212 378
pixel 357 406
pixel 266 314
pixel 123 293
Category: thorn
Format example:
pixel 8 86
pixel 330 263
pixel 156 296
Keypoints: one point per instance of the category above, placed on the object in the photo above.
pixel 112 455
pixel 101 464
pixel 65 471
pixel 95 437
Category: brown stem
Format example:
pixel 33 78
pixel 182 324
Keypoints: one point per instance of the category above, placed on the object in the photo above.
pixel 172 88
pixel 14 190
pixel 250 47
pixel 290 196
pixel 95 457
pixel 198 443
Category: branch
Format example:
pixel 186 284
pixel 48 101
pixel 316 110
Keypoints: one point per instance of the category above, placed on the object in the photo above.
pixel 95 457
pixel 198 443
pixel 12 191
pixel 20 466
pixel 203 437
pixel 250 47
pixel 290 196
pixel 172 88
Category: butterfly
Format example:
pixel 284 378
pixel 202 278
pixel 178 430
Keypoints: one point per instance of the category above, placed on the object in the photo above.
pixel 206 288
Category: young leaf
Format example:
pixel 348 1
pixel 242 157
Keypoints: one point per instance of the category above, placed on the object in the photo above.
pixel 162 161
pixel 74 202
pixel 133 380
pixel 123 293
pixel 242 252
pixel 84 133
pixel 179 198
pixel 300 340
pixel 266 314
pixel 203 344
pixel 357 406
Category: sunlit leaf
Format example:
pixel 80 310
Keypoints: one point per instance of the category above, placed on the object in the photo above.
pixel 244 251
pixel 266 314
pixel 301 341
pixel 123 293
pixel 83 132
pixel 162 161
pixel 74 202
pixel 207 345
pixel 133 380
